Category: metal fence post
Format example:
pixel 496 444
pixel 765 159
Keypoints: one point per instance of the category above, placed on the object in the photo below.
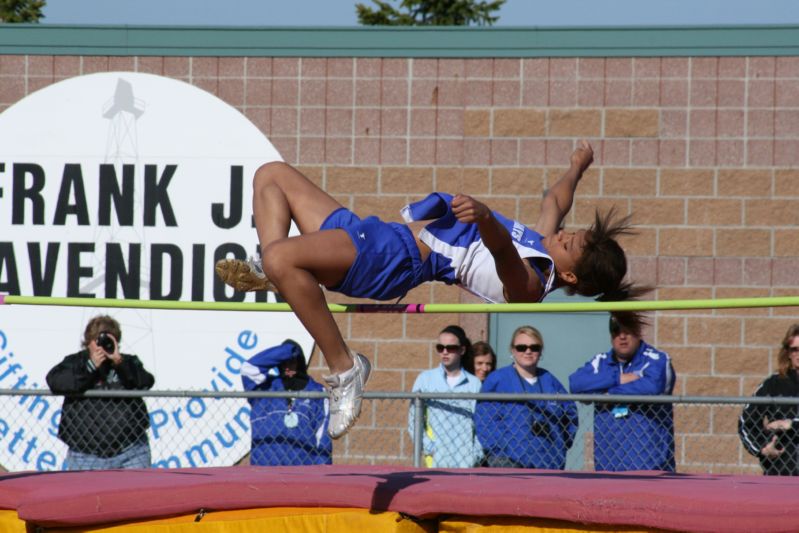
pixel 418 430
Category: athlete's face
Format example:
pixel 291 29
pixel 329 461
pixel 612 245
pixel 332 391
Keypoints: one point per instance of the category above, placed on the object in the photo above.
pixel 565 248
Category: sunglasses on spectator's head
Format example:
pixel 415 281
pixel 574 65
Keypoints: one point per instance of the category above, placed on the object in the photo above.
pixel 521 348
pixel 448 347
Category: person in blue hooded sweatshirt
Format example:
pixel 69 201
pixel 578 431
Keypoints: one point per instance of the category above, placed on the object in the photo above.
pixel 525 434
pixel 286 431
pixel 630 436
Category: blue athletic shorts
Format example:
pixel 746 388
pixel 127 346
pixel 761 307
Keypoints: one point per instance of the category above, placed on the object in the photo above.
pixel 387 264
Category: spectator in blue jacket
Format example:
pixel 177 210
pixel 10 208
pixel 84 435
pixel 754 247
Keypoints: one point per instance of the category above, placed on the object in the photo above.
pixel 448 440
pixel 630 436
pixel 532 434
pixel 286 431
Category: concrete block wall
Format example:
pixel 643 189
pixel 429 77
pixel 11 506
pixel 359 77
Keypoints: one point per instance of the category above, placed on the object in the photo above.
pixel 703 151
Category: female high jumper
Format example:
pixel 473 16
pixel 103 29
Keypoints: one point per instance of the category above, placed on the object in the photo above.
pixel 457 240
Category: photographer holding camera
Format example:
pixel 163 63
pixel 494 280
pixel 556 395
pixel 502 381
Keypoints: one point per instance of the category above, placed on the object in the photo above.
pixel 102 433
pixel 525 434
pixel 771 432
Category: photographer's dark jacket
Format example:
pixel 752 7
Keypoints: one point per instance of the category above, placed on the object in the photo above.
pixel 100 426
pixel 754 436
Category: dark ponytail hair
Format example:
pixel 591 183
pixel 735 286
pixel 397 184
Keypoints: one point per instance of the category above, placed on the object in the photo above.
pixel 603 266
pixel 463 340
pixel 631 321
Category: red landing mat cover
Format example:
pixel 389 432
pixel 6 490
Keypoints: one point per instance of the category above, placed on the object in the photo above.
pixel 652 499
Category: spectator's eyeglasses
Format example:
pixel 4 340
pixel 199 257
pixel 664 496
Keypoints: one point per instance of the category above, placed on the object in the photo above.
pixel 521 348
pixel 448 347
pixel 793 349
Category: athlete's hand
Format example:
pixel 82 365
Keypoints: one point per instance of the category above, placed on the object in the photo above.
pixel 469 210
pixel 583 156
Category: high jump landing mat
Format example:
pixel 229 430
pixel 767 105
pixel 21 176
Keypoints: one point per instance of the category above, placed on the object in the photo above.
pixel 381 498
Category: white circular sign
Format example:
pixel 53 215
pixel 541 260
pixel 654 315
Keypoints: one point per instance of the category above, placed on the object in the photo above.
pixel 130 185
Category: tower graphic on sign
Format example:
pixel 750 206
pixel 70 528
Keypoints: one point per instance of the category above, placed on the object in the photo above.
pixel 122 112
pixel 129 242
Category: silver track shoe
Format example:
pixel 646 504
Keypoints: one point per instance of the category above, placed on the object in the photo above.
pixel 346 392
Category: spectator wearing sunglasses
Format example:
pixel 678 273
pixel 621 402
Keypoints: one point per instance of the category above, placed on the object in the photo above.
pixel 771 432
pixel 632 436
pixel 525 434
pixel 448 439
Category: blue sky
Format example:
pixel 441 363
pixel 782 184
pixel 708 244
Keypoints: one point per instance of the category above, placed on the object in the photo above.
pixel 342 12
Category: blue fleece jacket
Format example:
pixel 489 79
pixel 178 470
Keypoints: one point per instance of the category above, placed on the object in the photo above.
pixel 533 434
pixel 634 436
pixel 274 440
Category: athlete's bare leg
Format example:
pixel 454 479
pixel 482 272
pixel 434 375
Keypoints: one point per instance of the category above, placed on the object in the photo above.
pixel 281 194
pixel 297 265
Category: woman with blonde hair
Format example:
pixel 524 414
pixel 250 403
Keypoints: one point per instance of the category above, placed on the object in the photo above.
pixel 525 434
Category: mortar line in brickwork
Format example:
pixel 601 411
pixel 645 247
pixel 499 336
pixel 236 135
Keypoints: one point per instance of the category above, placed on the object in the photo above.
pixel 271 94
pixel 660 107
pixel 380 123
pixel 688 119
pixel 746 114
pixel 774 116
pixel 436 92
pixel 716 117
pixel 324 114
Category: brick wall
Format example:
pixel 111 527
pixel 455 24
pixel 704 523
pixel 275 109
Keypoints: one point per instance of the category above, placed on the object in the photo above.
pixel 701 150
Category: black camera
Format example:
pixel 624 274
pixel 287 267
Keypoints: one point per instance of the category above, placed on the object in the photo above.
pixel 106 342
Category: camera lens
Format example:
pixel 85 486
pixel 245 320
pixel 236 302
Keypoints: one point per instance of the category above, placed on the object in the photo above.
pixel 105 342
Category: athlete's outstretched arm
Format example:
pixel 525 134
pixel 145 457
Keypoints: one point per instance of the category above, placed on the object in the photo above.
pixel 558 200
pixel 518 280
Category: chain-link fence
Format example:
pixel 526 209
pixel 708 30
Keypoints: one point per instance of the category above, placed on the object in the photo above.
pixel 741 435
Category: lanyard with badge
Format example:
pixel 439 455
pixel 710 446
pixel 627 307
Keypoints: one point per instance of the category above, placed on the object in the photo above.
pixel 620 411
pixel 290 419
